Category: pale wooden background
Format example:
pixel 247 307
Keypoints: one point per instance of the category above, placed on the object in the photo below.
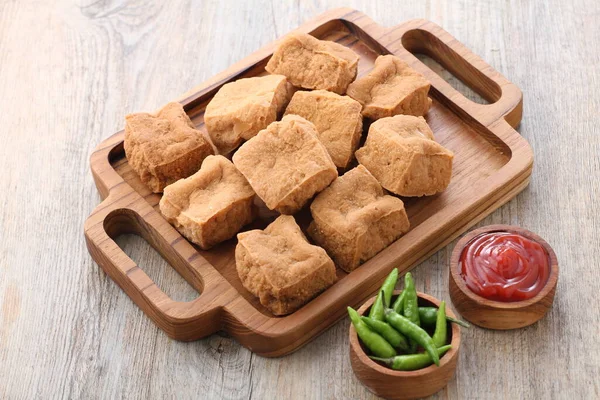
pixel 70 71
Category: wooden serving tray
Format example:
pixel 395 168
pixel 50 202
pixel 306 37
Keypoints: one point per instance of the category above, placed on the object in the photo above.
pixel 492 164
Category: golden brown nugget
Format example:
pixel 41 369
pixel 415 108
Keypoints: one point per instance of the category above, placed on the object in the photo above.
pixel 337 118
pixel 286 164
pixel 210 206
pixel 353 219
pixel 164 147
pixel 311 63
pixel 242 108
pixel 280 267
pixel 391 88
pixel 403 155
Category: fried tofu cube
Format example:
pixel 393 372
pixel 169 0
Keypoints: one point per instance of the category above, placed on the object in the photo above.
pixel 311 63
pixel 280 267
pixel 286 164
pixel 353 219
pixel 391 88
pixel 337 118
pixel 210 206
pixel 164 147
pixel 403 155
pixel 240 109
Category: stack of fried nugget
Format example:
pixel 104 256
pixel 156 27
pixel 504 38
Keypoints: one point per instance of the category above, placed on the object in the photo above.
pixel 281 140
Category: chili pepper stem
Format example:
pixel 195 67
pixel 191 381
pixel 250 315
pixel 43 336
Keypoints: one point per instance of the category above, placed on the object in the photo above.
pixel 388 361
pixel 458 322
pixel 428 316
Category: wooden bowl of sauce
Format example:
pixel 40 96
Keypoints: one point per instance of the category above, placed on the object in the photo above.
pixel 402 385
pixel 503 277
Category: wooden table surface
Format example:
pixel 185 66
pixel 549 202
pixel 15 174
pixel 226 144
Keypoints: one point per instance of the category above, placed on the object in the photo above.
pixel 70 71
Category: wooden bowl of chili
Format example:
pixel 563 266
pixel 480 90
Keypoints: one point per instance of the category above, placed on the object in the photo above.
pixel 391 384
pixel 503 277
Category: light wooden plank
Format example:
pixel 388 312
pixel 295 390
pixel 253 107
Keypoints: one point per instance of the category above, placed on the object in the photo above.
pixel 70 71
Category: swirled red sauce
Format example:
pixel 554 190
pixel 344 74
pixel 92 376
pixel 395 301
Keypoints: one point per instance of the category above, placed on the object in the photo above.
pixel 504 266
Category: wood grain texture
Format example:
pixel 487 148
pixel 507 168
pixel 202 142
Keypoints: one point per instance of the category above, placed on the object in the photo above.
pixel 70 71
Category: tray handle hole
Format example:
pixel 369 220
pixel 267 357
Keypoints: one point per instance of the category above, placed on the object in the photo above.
pixel 135 238
pixel 156 267
pixel 451 67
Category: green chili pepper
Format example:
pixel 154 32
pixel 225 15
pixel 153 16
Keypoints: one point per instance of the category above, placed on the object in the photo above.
pixel 412 362
pixel 399 303
pixel 389 285
pixel 377 309
pixel 412 332
pixel 428 317
pixel 411 304
pixel 393 337
pixel 440 335
pixel 374 342
pixel 387 289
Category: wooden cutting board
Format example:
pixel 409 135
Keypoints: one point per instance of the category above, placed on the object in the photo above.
pixel 492 164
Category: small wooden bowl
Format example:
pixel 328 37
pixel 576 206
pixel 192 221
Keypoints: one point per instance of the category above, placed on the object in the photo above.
pixel 391 384
pixel 497 314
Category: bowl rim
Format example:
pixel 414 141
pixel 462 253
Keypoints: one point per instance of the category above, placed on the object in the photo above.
pixel 432 369
pixel 513 305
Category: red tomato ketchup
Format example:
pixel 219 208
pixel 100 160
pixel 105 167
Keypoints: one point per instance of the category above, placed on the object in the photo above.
pixel 504 266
